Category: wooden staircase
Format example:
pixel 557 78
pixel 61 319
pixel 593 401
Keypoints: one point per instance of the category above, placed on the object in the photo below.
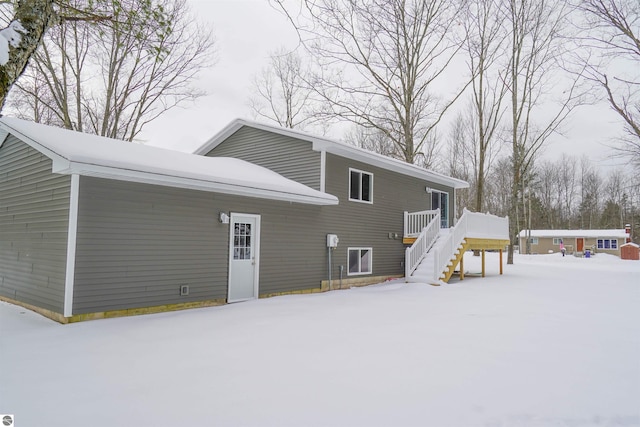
pixel 435 253
pixel 455 261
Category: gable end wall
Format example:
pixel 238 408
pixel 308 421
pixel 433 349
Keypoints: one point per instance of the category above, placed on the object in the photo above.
pixel 291 158
pixel 34 222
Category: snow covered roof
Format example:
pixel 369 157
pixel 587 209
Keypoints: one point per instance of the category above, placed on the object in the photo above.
pixel 618 233
pixel 631 244
pixel 90 155
pixel 337 148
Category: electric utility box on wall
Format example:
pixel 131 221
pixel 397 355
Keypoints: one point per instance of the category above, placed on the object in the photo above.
pixel 332 241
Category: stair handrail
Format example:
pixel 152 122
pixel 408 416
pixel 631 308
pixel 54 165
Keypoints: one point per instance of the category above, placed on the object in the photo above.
pixel 415 222
pixel 448 244
pixel 424 242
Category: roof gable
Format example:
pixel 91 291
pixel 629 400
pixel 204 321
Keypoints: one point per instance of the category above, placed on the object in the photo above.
pixel 91 155
pixel 335 147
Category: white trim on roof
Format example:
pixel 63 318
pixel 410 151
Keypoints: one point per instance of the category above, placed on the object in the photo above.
pixel 3 136
pixel 617 233
pixel 91 155
pixel 323 170
pixel 337 148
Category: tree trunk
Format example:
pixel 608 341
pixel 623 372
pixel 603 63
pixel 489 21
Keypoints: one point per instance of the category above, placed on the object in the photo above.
pixel 35 16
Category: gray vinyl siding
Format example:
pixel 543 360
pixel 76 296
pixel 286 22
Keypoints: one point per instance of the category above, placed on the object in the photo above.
pixel 368 225
pixel 34 221
pixel 290 157
pixel 138 243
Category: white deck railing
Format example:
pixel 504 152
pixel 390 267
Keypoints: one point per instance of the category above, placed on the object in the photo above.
pixel 470 225
pixel 424 242
pixel 415 222
pixel 487 226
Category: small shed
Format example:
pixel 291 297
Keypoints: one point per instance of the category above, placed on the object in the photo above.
pixel 630 251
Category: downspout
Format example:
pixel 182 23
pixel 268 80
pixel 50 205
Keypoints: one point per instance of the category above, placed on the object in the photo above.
pixel 329 250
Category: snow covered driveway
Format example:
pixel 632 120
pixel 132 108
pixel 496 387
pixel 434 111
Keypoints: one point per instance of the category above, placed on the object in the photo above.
pixel 553 342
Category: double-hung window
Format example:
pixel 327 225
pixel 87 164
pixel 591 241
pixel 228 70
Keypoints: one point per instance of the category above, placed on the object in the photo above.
pixel 557 240
pixel 607 243
pixel 360 186
pixel 359 261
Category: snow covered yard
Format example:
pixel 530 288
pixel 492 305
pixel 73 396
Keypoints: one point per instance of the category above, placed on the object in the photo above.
pixel 553 342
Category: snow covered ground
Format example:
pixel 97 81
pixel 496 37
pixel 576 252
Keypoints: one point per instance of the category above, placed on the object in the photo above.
pixel 553 342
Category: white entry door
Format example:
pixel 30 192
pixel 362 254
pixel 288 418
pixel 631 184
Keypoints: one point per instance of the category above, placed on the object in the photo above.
pixel 244 249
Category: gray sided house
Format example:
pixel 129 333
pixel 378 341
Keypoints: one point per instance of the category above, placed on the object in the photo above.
pixel 92 227
pixel 576 242
pixel 385 205
pixel 374 192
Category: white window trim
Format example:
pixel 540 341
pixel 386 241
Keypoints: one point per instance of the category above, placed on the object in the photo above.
pixel 360 273
pixel 610 248
pixel 557 240
pixel 534 241
pixel 370 202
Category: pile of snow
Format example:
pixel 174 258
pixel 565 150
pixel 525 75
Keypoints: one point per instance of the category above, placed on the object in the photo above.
pixel 552 342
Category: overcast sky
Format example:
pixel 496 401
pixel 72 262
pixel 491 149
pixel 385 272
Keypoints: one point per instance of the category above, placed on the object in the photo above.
pixel 248 30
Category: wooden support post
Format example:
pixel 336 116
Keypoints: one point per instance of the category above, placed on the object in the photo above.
pixel 462 267
pixel 500 261
pixel 483 263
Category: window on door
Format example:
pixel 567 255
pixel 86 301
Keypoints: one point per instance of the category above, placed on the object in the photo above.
pixel 359 261
pixel 360 186
pixel 242 241
pixel 440 200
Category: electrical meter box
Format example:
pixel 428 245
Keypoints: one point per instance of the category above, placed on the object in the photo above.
pixel 332 241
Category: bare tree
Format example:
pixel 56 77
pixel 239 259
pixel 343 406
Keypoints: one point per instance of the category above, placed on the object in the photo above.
pixel 281 91
pixel 537 46
pixel 498 188
pixel 590 194
pixel 379 62
pixel 548 192
pixel 113 79
pixel 484 45
pixel 372 140
pixel 568 185
pixel 614 31
pixel 461 159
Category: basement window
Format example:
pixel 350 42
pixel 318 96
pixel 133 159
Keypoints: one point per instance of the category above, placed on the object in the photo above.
pixel 359 261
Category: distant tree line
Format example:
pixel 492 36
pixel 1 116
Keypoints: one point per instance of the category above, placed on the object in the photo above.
pixel 566 193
